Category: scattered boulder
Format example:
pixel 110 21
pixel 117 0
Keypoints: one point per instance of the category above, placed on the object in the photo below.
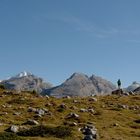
pixel 75 101
pixel 120 92
pixel 67 97
pixel 134 107
pixel 116 124
pixel 137 90
pixel 91 110
pixel 31 122
pixel 63 106
pixel 117 92
pixel 40 112
pixel 90 132
pixel 13 129
pixel 70 123
pixel 47 96
pixel 131 93
pixel 73 115
pixel 46 110
pixel 126 94
pixel 123 106
pixel 16 113
pixel 83 110
pixel 30 109
pixel 92 99
pixel 38 116
pixel 49 104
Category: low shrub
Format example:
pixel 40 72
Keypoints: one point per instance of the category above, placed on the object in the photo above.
pixel 59 132
pixel 2 87
pixel 9 136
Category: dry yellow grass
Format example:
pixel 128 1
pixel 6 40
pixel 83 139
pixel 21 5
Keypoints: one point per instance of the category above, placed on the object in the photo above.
pixel 108 113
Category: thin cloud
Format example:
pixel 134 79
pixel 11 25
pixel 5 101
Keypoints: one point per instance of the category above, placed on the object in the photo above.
pixel 84 26
pixel 80 25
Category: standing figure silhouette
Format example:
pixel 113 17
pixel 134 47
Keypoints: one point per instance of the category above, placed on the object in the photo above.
pixel 119 83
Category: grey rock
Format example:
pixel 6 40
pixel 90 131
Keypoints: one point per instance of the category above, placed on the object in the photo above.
pixel 73 115
pixel 88 137
pixel 116 124
pixel 46 110
pixel 47 96
pixel 91 110
pixel 131 93
pixel 75 101
pixel 40 112
pixel 83 110
pixel 121 92
pixel 81 85
pixel 126 94
pixel 93 99
pixel 38 116
pixel 31 122
pixel 118 92
pixel 67 97
pixel 63 106
pixel 13 129
pixel 16 113
pixel 30 109
pixel 90 132
pixel 123 106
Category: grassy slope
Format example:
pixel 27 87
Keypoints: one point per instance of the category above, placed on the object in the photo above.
pixel 107 113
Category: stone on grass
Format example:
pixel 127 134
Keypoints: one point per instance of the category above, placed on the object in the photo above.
pixel 73 115
pixel 31 122
pixel 40 111
pixel 93 99
pixel 13 129
pixel 83 110
pixel 90 132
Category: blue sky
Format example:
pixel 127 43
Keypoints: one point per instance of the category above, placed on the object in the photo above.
pixel 55 38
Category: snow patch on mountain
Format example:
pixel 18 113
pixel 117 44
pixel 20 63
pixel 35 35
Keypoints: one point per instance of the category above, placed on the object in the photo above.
pixel 23 74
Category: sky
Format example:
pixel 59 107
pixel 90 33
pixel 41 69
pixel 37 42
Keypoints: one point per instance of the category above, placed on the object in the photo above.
pixel 55 38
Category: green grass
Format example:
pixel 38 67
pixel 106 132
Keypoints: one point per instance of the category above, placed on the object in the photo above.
pixel 106 114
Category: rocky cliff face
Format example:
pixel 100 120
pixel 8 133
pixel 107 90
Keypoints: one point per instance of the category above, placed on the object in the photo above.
pixel 102 86
pixel 81 85
pixel 25 81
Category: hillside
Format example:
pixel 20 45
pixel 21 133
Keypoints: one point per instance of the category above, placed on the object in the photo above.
pixel 115 117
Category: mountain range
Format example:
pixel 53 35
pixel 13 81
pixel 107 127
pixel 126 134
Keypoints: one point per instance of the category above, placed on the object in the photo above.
pixel 26 81
pixel 78 84
pixel 81 85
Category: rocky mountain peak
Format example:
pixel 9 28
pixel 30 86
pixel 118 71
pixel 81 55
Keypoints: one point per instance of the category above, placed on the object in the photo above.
pixel 77 75
pixel 133 86
pixel 80 84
